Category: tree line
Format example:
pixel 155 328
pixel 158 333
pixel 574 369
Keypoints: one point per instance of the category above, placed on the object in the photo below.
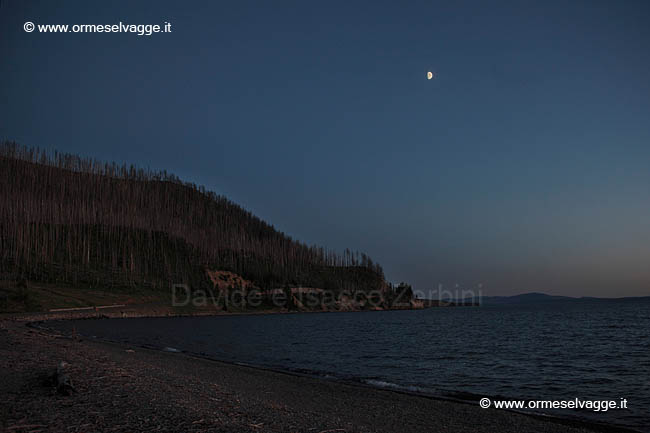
pixel 64 218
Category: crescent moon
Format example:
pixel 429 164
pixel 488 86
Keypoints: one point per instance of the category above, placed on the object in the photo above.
pixel 429 75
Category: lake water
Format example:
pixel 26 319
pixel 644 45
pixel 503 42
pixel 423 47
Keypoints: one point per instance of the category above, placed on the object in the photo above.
pixel 592 350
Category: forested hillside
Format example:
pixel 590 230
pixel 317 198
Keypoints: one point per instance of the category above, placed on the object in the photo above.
pixel 65 219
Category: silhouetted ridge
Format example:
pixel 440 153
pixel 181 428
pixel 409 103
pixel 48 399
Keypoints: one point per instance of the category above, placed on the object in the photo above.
pixel 68 219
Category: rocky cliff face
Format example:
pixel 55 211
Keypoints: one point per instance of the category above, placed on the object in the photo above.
pixel 231 289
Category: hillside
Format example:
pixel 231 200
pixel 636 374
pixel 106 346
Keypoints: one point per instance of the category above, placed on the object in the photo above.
pixel 65 220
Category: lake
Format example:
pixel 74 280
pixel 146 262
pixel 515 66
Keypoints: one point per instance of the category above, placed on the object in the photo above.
pixel 591 349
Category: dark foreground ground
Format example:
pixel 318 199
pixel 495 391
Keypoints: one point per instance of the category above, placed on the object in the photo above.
pixel 122 389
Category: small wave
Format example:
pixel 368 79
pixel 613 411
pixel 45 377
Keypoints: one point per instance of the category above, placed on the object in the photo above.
pixel 391 385
pixel 462 395
pixel 369 356
pixel 170 349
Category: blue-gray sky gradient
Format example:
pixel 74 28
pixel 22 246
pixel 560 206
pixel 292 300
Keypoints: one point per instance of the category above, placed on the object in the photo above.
pixel 524 166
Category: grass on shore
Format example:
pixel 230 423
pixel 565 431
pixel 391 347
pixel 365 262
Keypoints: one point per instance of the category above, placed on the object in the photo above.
pixel 32 297
pixel 20 297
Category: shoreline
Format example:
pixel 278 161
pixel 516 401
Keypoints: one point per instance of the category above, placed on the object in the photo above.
pixel 144 311
pixel 565 421
pixel 433 413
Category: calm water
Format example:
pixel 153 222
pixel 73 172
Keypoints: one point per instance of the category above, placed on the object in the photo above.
pixel 593 350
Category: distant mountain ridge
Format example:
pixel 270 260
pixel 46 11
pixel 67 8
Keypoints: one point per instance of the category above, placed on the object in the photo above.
pixel 539 298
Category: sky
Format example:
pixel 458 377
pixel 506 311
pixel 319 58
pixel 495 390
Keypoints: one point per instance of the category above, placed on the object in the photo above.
pixel 523 166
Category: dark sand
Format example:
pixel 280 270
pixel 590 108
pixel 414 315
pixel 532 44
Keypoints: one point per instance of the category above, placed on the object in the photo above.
pixel 122 389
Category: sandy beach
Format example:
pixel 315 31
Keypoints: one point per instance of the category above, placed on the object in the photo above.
pixel 128 389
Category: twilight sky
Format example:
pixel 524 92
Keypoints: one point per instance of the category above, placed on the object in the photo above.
pixel 524 166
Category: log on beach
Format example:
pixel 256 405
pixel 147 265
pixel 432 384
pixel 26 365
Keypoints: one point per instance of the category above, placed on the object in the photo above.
pixel 62 380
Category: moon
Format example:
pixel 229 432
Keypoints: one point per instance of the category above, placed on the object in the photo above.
pixel 429 75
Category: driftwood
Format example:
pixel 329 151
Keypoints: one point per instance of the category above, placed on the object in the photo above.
pixel 62 380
